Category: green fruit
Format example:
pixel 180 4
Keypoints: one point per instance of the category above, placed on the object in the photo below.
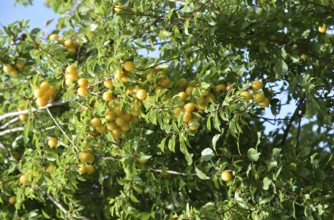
pixel 265 103
pixel 246 96
pixel 259 97
pixel 257 85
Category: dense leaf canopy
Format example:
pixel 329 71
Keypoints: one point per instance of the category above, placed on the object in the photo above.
pixel 160 110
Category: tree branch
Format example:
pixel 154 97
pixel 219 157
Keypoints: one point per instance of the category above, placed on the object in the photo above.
pixel 286 132
pixel 176 1
pixel 320 5
pixel 171 172
pixel 62 208
pixel 298 131
pixel 269 120
pixel 13 114
pixel 167 61
pixel 47 109
pixel 9 123
pixel 11 130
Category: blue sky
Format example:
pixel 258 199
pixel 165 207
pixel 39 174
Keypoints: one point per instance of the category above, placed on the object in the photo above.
pixel 38 14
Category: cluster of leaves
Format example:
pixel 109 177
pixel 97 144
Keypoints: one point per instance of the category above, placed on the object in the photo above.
pixel 163 167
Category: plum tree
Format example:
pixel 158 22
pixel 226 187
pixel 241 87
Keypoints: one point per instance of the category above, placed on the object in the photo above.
pixel 144 110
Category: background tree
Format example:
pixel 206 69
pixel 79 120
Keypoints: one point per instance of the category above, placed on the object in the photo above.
pixel 155 110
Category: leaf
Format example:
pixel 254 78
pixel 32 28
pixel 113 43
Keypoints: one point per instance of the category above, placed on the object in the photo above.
pixel 207 154
pixel 170 13
pixel 208 123
pixel 162 144
pixel 284 53
pixel 92 27
pixel 184 150
pixel 200 174
pixel 164 34
pixel 216 122
pixel 205 85
pixel 276 152
pixel 214 140
pixel 48 22
pixel 134 199
pixel 281 69
pixel 264 201
pixel 26 130
pixel 144 215
pixel 171 144
pixel 272 163
pixel 312 107
pixel 45 214
pixel 258 139
pixel 278 171
pixel 266 183
pixel 186 26
pixel 253 154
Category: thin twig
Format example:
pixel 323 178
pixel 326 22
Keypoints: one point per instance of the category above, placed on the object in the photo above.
pixel 81 105
pixel 13 114
pixel 270 119
pixel 47 109
pixel 298 131
pixel 227 210
pixel 110 158
pixel 9 123
pixel 288 127
pixel 176 1
pixel 49 128
pixel 63 144
pixel 60 206
pixel 320 5
pixel 78 55
pixel 171 172
pixel 11 130
pixel 158 64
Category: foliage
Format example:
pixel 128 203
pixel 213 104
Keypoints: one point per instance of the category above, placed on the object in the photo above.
pixel 183 104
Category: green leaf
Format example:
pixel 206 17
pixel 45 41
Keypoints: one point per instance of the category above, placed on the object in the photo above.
pixel 26 130
pixel 264 201
pixel 284 54
pixel 186 26
pixel 266 183
pixel 208 123
pixel 258 139
pixel 281 69
pixel 162 144
pixel 92 27
pixel 312 107
pixel 164 34
pixel 216 122
pixel 207 154
pixel 170 13
pixel 184 149
pixel 214 141
pixel 205 85
pixel 134 199
pixel 45 214
pixel 200 174
pixel 276 152
pixel 171 144
pixel 253 154
pixel 144 216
